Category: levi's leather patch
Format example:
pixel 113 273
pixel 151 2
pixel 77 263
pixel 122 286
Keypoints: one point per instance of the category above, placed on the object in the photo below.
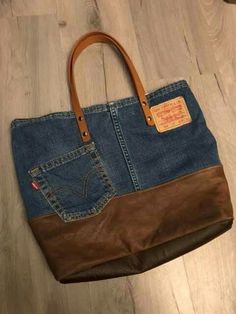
pixel 170 114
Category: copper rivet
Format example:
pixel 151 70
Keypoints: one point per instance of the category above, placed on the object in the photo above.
pixel 85 133
pixel 144 103
pixel 80 118
pixel 149 118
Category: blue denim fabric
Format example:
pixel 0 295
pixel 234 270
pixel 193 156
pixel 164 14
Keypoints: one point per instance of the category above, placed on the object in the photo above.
pixel 126 155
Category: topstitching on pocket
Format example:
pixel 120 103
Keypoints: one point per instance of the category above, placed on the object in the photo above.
pixel 75 184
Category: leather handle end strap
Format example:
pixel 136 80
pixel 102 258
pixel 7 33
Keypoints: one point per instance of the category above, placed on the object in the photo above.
pixel 80 45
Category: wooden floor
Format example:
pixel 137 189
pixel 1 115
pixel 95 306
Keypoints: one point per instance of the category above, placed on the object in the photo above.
pixel 167 40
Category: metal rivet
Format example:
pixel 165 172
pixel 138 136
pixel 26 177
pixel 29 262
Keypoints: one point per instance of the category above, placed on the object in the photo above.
pixel 144 103
pixel 80 118
pixel 85 133
pixel 149 118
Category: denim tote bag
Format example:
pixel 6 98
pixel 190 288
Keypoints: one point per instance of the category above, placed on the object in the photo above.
pixel 118 188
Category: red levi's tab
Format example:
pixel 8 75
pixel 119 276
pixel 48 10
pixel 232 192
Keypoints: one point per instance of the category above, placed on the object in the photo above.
pixel 35 185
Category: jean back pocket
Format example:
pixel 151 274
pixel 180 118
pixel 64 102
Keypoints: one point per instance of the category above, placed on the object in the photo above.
pixel 75 184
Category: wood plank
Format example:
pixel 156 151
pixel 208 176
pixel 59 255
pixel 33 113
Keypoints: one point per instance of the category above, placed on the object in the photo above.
pixel 221 20
pixel 118 81
pixel 164 42
pixel 211 268
pixel 5 9
pixel 167 40
pixel 32 86
pixel 35 7
pixel 89 73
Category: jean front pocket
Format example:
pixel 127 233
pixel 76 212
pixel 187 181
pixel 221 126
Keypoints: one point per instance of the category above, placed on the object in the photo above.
pixel 75 184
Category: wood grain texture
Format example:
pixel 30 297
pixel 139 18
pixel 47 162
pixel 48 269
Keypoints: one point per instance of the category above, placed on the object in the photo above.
pixel 5 8
pixel 34 7
pixel 167 40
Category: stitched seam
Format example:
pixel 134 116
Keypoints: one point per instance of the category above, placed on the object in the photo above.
pixel 166 90
pixel 62 159
pixel 100 169
pixel 182 177
pixel 100 204
pixel 86 181
pixel 153 188
pixel 56 206
pixel 124 149
pixel 49 196
pixel 54 202
pixel 102 107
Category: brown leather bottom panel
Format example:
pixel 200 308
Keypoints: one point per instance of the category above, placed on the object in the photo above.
pixel 150 258
pixel 163 222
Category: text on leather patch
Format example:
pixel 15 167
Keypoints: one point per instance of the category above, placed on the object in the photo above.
pixel 171 114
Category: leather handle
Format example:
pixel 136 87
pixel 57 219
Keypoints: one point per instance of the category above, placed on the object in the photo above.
pixel 80 45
